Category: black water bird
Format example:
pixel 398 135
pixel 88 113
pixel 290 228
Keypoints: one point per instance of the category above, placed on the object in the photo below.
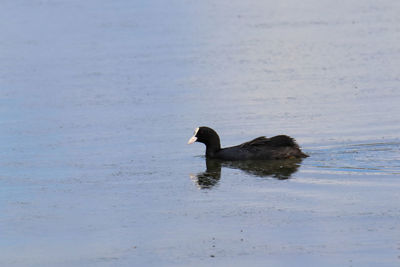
pixel 260 148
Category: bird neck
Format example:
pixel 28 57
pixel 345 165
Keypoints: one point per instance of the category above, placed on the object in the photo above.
pixel 213 146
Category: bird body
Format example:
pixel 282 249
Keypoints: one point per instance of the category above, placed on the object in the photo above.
pixel 260 148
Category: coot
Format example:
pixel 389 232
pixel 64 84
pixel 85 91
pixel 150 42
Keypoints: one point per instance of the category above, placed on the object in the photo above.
pixel 261 148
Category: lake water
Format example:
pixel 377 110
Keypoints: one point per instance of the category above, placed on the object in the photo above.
pixel 98 100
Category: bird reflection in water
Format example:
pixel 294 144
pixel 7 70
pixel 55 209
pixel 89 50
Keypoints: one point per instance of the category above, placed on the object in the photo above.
pixel 279 169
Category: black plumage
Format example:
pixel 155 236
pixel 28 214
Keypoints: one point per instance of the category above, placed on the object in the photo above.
pixel 260 148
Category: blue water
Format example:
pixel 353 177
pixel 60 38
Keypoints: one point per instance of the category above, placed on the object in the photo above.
pixel 98 100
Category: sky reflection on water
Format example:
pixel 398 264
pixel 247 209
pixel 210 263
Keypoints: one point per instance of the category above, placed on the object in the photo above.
pixel 97 99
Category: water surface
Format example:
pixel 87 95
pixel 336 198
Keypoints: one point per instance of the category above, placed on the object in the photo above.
pixel 98 99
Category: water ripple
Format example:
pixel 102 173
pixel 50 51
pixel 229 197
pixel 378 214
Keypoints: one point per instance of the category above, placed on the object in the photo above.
pixel 365 158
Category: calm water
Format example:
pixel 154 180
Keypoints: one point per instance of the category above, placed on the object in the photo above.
pixel 98 100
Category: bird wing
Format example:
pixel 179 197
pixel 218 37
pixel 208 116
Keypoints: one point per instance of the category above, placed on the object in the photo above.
pixel 276 141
